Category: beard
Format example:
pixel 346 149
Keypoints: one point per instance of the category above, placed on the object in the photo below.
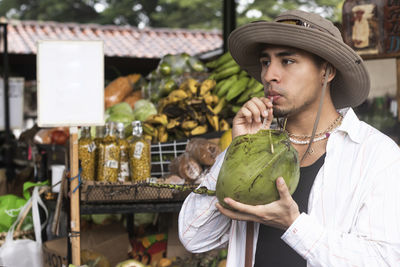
pixel 287 112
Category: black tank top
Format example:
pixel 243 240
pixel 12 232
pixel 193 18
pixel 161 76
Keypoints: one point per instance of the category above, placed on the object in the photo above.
pixel 271 249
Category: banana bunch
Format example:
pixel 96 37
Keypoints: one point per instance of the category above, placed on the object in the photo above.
pixel 233 84
pixel 190 110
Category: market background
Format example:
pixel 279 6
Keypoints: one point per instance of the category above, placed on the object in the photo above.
pixel 159 52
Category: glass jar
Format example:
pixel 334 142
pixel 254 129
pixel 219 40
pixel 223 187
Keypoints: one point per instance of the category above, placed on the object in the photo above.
pixel 123 167
pixel 86 155
pixel 139 154
pixel 109 154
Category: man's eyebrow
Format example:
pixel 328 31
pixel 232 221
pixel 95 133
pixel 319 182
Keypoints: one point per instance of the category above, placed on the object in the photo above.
pixel 279 54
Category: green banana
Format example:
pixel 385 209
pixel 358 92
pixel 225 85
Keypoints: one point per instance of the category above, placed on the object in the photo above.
pixel 235 109
pixel 257 94
pixel 246 95
pixel 251 83
pixel 226 65
pixel 237 88
pixel 243 73
pixel 219 85
pixel 226 73
pixel 228 84
pixel 219 61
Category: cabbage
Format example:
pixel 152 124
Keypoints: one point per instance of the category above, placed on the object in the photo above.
pixel 143 109
pixel 122 107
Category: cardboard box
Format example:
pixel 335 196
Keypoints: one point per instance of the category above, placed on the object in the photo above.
pixel 110 240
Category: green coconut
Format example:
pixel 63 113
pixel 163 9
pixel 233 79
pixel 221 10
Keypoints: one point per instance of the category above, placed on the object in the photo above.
pixel 252 164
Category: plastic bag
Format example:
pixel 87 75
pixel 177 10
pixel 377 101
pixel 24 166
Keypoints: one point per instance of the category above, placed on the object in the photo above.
pixel 25 253
pixel 11 205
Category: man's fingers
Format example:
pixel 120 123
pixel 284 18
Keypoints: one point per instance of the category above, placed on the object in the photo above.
pixel 282 189
pixel 235 215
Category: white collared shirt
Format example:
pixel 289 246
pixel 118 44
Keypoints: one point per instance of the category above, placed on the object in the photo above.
pixel 353 214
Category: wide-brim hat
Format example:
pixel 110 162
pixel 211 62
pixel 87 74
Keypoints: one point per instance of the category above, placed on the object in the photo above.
pixel 312 33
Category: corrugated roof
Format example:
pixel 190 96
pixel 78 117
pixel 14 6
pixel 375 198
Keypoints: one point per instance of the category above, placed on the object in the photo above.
pixel 119 41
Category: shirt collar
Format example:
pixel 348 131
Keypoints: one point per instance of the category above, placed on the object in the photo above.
pixel 350 124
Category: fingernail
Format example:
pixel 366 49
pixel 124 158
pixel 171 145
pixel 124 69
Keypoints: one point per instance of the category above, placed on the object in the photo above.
pixel 281 181
pixel 265 113
pixel 227 200
pixel 258 119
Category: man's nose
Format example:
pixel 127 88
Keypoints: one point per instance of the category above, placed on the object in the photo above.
pixel 272 73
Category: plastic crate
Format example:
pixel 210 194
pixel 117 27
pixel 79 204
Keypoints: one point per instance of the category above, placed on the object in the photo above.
pixel 162 154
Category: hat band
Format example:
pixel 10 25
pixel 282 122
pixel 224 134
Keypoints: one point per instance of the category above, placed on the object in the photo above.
pixel 296 22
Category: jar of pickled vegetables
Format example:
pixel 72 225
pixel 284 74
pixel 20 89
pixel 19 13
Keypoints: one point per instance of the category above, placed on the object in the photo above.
pixel 86 155
pixel 109 154
pixel 139 154
pixel 123 167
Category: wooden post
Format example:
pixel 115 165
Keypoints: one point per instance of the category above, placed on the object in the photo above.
pixel 398 87
pixel 74 193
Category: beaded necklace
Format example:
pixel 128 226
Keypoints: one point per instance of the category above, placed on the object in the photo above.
pixel 319 136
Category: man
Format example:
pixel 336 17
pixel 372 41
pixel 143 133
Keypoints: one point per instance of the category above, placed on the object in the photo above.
pixel 346 209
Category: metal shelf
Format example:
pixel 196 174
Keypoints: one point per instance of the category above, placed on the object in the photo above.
pixel 130 208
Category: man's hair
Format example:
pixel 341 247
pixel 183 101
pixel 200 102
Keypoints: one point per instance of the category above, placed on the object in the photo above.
pixel 318 61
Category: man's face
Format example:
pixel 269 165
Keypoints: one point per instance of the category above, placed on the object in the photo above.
pixel 291 78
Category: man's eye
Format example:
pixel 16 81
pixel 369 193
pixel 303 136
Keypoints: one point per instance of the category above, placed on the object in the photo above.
pixel 265 63
pixel 287 61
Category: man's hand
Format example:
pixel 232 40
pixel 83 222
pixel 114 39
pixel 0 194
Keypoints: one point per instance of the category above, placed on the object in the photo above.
pixel 279 214
pixel 248 119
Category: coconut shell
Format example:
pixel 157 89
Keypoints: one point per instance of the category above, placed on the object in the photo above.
pixel 250 168
pixel 203 151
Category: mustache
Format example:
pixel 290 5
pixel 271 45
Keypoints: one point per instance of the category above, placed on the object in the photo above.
pixel 272 89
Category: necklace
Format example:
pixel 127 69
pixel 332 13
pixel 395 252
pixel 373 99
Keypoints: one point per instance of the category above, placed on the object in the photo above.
pixel 318 137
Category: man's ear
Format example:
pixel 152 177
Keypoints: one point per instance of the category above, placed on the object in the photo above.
pixel 332 72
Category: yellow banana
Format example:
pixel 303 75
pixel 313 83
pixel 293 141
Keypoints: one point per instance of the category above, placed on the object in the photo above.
pixel 192 84
pixel 162 134
pixel 148 129
pixel 179 94
pixel 206 86
pixel 202 129
pixel 213 120
pixel 221 104
pixel 189 125
pixel 223 125
pixel 158 119
pixel 215 99
pixel 172 124
pixel 208 99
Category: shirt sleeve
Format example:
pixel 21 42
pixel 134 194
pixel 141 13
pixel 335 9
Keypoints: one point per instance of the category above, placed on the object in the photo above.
pixel 374 238
pixel 201 226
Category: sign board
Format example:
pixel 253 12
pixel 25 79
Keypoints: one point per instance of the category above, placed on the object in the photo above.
pixel 383 77
pixel 16 103
pixel 70 82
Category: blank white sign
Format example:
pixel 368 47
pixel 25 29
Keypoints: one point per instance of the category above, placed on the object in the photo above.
pixel 70 82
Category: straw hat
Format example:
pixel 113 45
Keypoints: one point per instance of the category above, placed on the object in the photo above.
pixel 312 33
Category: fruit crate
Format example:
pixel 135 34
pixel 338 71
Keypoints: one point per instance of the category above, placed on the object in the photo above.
pixel 162 154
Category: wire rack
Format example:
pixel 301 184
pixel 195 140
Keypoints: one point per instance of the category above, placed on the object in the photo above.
pixel 162 154
pixel 129 192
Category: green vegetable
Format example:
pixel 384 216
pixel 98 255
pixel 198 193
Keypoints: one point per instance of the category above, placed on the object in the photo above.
pixel 237 88
pixel 219 61
pixel 143 109
pixel 227 85
pixel 122 107
pixel 227 72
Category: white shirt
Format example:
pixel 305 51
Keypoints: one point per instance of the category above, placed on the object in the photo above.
pixel 353 214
